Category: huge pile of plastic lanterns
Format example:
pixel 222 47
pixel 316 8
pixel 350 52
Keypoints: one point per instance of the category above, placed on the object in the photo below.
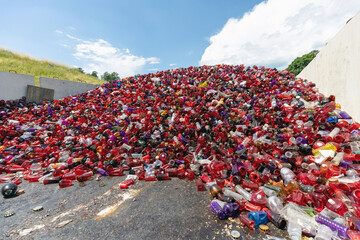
pixel 267 146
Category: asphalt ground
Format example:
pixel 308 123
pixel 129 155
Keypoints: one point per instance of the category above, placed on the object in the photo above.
pixel 171 209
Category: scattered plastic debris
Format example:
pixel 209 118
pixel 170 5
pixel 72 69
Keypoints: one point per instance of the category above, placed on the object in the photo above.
pixel 9 190
pixel 27 231
pixel 235 234
pixel 38 208
pixel 63 223
pixel 9 213
pixel 20 191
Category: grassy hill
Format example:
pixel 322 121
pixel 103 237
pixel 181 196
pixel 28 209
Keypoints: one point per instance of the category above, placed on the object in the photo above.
pixel 41 68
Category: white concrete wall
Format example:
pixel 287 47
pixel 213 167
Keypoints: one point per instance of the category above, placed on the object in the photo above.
pixel 65 88
pixel 336 69
pixel 13 86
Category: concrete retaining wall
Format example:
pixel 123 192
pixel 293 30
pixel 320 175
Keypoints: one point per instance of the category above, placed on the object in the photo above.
pixel 336 68
pixel 65 88
pixel 13 86
pixel 39 94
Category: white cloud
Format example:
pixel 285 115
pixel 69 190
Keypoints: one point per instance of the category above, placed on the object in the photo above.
pixel 154 69
pixel 172 64
pixel 58 32
pixel 74 38
pixel 277 31
pixel 153 60
pixel 99 55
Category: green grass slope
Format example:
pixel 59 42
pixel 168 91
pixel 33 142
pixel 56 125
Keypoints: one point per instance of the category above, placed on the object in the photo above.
pixel 23 64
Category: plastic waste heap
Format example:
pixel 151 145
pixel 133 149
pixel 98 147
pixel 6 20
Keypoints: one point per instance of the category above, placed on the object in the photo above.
pixel 268 147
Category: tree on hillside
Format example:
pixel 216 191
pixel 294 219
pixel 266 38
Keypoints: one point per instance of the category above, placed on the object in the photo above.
pixel 94 74
pixel 110 77
pixel 80 70
pixel 105 76
pixel 301 62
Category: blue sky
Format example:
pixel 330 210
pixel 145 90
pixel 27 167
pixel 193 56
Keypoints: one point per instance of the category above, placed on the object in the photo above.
pixel 141 36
